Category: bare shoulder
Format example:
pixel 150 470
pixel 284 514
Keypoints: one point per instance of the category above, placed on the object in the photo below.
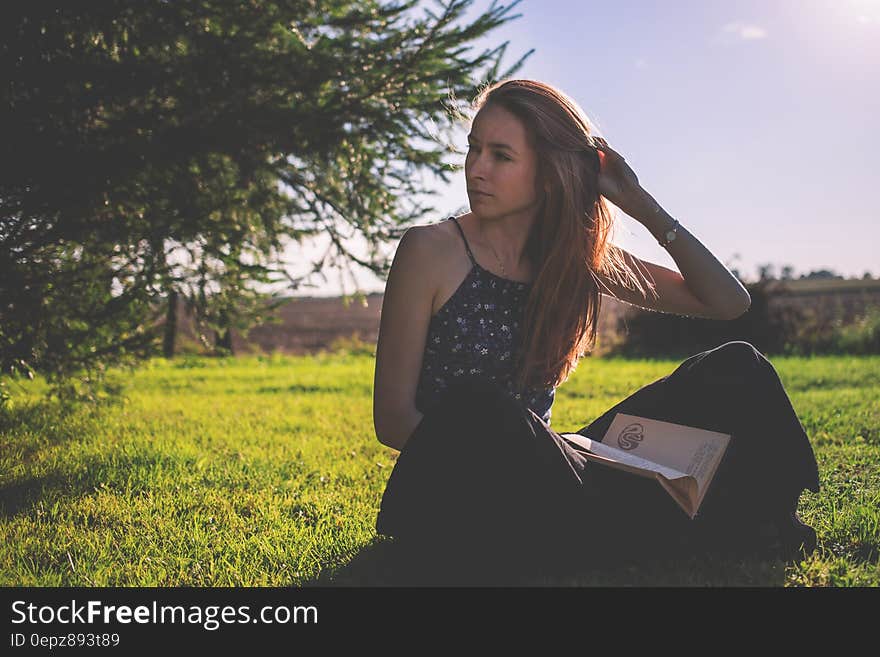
pixel 437 238
pixel 429 249
pixel 440 257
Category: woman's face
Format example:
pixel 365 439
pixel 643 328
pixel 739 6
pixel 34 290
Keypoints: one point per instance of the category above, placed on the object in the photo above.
pixel 501 164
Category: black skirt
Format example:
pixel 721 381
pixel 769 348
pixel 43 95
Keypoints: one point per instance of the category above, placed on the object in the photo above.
pixel 482 476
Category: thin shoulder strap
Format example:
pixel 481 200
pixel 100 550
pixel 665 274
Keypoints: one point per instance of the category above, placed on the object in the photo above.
pixel 466 245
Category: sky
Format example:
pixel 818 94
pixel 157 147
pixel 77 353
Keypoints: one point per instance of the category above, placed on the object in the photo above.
pixel 755 123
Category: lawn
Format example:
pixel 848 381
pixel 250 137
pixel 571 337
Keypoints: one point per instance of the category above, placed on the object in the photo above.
pixel 265 471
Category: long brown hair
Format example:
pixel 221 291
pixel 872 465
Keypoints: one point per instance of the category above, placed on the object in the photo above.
pixel 569 242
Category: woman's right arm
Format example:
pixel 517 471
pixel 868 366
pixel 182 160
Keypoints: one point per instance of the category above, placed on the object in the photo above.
pixel 403 330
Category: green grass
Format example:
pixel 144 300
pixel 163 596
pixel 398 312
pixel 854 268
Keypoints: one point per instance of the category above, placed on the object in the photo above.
pixel 264 471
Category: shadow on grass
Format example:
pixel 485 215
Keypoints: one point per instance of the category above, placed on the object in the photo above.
pixel 21 497
pixel 299 388
pixel 35 427
pixel 129 472
pixel 49 419
pixel 387 563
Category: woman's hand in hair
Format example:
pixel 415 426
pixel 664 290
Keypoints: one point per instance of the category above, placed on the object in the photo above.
pixel 618 182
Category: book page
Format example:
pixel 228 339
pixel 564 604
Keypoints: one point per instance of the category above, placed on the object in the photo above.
pixel 680 486
pixel 606 453
pixel 684 492
pixel 695 452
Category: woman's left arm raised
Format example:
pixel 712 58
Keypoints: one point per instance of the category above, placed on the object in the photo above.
pixel 703 286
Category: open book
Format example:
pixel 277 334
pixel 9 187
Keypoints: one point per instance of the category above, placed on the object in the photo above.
pixel 682 459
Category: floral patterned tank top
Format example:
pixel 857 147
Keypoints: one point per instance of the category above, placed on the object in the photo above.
pixel 477 333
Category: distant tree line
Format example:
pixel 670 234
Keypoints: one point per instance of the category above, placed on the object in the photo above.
pixel 767 271
pixel 811 326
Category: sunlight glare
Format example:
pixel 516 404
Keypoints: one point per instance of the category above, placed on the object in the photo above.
pixel 865 12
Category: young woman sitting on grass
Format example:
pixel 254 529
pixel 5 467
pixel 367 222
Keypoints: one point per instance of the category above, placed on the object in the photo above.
pixel 486 314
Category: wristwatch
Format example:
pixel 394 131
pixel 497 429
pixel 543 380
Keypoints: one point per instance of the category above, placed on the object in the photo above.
pixel 670 235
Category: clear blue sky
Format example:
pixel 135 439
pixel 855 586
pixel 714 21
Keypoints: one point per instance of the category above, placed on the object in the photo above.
pixel 756 123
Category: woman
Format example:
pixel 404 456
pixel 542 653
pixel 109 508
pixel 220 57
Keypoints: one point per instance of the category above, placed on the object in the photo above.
pixel 485 314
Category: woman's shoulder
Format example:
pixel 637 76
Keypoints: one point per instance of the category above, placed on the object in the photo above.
pixel 439 234
pixel 435 254
pixel 434 244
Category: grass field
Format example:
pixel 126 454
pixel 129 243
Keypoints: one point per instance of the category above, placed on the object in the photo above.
pixel 264 471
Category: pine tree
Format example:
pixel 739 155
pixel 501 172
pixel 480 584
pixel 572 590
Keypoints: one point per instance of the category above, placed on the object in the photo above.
pixel 153 149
